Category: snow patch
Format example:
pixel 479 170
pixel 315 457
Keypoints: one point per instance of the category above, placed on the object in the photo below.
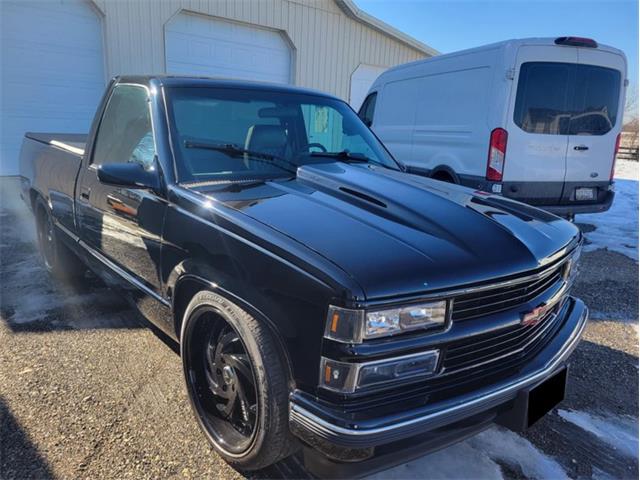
pixel 627 169
pixel 619 432
pixel 478 458
pixel 617 229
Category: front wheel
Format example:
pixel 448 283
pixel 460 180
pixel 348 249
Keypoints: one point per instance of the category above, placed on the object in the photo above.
pixel 239 402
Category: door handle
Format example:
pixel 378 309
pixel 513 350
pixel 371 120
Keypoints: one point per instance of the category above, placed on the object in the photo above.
pixel 85 193
pixel 581 148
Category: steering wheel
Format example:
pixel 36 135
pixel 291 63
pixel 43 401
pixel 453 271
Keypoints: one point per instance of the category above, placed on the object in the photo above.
pixel 316 145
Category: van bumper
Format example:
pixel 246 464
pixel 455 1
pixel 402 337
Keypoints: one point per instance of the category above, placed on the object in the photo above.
pixel 574 209
pixel 350 449
pixel 555 197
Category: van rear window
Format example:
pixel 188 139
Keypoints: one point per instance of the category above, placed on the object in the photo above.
pixel 566 98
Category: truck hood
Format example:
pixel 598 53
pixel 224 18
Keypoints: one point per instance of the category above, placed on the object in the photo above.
pixel 398 234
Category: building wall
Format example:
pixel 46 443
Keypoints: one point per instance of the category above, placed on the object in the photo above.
pixel 328 45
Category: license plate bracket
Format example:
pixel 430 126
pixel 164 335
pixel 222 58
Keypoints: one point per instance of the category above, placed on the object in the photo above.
pixel 535 402
pixel 583 194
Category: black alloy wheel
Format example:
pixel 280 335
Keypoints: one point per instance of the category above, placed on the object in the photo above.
pixel 237 381
pixel 58 259
pixel 46 240
pixel 222 382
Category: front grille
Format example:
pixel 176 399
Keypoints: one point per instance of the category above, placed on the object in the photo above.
pixel 497 345
pixel 467 366
pixel 495 300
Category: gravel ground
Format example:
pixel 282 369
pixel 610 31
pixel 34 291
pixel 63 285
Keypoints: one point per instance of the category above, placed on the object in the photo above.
pixel 88 391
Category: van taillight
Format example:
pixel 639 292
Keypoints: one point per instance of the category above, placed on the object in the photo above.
pixel 615 154
pixel 497 151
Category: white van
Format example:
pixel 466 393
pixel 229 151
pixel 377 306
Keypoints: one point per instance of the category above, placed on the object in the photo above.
pixel 537 120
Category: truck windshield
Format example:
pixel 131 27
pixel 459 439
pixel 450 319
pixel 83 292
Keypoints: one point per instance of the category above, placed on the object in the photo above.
pixel 566 98
pixel 237 134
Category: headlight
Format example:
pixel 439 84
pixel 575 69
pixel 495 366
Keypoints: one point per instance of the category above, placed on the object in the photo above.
pixel 349 377
pixel 354 326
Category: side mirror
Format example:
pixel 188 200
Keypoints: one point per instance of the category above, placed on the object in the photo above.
pixel 129 175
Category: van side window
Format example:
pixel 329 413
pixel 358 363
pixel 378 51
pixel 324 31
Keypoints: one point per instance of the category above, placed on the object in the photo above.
pixel 367 109
pixel 125 134
pixel 566 99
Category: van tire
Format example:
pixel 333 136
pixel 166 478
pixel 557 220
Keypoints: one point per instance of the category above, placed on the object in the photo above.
pixel 443 177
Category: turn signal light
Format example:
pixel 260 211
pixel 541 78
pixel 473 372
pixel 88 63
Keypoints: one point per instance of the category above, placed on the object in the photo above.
pixel 348 377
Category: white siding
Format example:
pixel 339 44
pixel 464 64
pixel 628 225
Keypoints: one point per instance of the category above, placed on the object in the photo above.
pixel 327 44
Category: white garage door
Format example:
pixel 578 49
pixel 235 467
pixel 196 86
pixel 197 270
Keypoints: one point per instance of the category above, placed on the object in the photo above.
pixel 52 71
pixel 361 80
pixel 200 45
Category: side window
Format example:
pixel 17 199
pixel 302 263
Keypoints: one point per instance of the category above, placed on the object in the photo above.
pixel 125 133
pixel 367 109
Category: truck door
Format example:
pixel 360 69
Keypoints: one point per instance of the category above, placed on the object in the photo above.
pixel 122 226
pixel 535 163
pixel 596 121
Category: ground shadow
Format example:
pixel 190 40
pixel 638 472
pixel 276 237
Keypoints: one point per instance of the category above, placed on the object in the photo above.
pixel 19 458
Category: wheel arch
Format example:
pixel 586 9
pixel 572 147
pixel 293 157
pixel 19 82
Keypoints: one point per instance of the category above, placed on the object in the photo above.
pixel 445 173
pixel 187 284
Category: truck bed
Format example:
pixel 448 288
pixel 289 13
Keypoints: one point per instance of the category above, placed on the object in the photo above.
pixel 49 165
pixel 72 142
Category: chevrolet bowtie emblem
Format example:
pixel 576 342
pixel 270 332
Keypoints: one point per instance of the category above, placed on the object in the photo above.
pixel 534 316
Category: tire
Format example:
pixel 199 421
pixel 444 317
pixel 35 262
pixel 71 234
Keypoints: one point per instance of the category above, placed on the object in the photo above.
pixel 249 430
pixel 59 261
pixel 443 177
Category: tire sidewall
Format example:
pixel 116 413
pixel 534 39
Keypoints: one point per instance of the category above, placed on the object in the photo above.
pixel 231 313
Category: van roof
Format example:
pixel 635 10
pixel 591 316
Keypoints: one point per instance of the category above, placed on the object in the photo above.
pixel 513 43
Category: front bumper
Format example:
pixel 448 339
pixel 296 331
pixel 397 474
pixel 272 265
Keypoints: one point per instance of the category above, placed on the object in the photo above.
pixel 428 428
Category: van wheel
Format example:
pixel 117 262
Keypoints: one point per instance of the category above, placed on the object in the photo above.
pixel 59 261
pixel 239 402
pixel 443 177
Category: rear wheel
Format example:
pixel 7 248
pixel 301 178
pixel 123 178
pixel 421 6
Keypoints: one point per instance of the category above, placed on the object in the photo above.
pixel 58 259
pixel 443 177
pixel 239 403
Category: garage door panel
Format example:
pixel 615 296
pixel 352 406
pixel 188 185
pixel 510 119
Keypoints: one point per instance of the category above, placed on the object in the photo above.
pixel 196 44
pixel 361 80
pixel 52 71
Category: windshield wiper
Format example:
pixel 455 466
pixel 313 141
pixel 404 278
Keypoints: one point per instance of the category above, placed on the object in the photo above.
pixel 347 156
pixel 234 150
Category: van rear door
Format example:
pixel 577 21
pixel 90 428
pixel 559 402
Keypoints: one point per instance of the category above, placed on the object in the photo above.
pixel 595 118
pixel 535 164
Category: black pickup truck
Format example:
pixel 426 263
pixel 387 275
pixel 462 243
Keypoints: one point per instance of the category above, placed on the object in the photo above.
pixel 325 299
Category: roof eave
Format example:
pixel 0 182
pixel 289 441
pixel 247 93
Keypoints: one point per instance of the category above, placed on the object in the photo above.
pixel 352 10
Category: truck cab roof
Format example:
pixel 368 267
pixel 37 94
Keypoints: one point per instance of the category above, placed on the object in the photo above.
pixel 167 80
